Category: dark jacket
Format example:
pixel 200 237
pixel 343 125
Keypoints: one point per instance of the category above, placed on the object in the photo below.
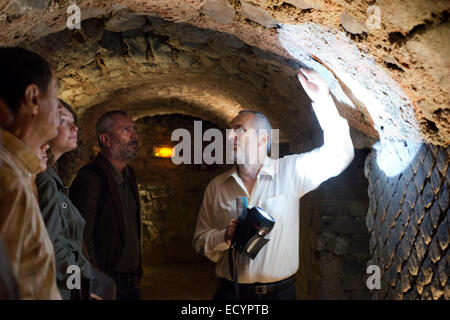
pixel 94 192
pixel 65 227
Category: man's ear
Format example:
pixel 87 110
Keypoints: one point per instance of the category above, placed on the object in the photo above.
pixel 6 116
pixel 32 98
pixel 264 139
pixel 105 139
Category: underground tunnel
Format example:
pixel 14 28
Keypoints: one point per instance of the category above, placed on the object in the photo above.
pixel 170 63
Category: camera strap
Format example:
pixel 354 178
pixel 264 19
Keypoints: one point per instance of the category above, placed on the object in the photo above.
pixel 233 272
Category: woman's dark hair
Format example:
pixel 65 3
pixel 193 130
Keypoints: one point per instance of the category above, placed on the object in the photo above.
pixel 20 68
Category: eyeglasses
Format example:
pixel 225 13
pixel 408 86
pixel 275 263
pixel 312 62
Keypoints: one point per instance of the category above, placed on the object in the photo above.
pixel 239 131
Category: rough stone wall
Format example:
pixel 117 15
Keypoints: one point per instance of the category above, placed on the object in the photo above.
pixel 171 194
pixel 212 75
pixel 408 44
pixel 334 241
pixel 408 220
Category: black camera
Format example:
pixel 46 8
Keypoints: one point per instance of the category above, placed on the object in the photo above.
pixel 252 226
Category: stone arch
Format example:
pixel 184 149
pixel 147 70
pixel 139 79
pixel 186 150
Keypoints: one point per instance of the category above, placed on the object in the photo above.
pixel 390 82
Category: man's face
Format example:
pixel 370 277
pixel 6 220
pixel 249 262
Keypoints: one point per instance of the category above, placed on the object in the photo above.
pixel 43 157
pixel 124 140
pixel 244 137
pixel 48 117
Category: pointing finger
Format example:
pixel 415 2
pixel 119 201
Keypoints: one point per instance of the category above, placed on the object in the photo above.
pixel 301 76
pixel 307 72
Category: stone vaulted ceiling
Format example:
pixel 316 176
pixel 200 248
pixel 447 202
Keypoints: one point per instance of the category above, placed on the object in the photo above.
pixel 212 58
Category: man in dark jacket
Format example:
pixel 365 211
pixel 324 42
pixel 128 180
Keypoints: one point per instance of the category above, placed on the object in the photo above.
pixel 106 194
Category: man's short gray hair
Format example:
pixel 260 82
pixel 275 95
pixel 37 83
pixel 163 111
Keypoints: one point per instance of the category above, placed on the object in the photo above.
pixel 105 122
pixel 260 121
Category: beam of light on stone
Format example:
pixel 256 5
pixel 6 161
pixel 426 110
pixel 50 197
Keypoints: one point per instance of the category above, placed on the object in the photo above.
pixel 383 98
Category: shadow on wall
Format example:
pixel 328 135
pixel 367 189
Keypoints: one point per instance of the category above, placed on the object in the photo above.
pixel 334 241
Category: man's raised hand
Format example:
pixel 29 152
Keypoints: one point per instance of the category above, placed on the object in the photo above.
pixel 313 84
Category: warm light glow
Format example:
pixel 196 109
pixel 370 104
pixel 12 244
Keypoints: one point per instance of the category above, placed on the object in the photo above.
pixel 162 152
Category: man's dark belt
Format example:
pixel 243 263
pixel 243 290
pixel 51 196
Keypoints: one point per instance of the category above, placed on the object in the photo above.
pixel 263 288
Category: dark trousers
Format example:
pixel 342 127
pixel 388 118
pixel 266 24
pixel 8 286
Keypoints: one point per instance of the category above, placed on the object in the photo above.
pixel 226 291
pixel 125 287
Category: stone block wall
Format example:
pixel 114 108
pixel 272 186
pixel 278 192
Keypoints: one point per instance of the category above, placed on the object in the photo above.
pixel 408 221
pixel 334 241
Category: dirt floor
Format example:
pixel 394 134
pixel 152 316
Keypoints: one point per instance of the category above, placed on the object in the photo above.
pixel 181 281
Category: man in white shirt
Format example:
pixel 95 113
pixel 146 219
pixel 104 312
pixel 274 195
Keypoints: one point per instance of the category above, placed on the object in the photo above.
pixel 275 185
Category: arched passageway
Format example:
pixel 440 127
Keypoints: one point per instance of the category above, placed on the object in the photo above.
pixel 169 62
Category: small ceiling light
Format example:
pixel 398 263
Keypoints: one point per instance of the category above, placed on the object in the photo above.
pixel 162 152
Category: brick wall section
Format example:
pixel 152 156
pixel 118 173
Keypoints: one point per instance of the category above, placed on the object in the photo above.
pixel 306 281
pixel 408 220
pixel 334 241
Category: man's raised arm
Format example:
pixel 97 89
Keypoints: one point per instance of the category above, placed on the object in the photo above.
pixel 320 164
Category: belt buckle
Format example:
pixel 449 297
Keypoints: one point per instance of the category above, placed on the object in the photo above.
pixel 261 289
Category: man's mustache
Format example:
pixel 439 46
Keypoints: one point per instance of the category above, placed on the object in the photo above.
pixel 132 143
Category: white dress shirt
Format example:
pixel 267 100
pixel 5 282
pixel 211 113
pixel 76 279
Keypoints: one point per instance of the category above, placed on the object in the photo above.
pixel 279 186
